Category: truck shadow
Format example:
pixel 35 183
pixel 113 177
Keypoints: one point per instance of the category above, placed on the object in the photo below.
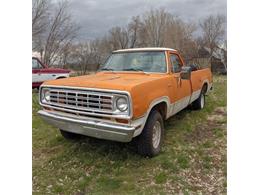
pixel 111 150
pixel 117 150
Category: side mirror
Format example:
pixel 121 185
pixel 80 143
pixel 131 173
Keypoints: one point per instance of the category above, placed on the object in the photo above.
pixel 194 67
pixel 185 73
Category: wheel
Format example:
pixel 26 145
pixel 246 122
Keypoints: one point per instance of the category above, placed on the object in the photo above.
pixel 199 103
pixel 69 135
pixel 150 141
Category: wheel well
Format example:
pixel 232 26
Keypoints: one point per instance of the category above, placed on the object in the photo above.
pixel 161 108
pixel 61 78
pixel 205 87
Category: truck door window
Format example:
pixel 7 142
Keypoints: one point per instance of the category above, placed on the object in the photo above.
pixel 36 64
pixel 176 63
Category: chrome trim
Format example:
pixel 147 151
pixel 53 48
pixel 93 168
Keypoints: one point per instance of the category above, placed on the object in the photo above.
pixel 78 96
pixel 87 113
pixel 116 92
pixel 91 127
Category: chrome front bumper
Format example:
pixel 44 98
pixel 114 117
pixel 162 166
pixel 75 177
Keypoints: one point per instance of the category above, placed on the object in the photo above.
pixel 91 127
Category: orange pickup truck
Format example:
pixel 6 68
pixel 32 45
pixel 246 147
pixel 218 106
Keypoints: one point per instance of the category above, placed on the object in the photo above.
pixel 130 96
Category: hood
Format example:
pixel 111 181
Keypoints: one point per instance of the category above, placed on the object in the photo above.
pixel 106 80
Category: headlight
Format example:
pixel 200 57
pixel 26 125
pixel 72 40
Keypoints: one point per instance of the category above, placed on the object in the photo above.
pixel 45 96
pixel 121 104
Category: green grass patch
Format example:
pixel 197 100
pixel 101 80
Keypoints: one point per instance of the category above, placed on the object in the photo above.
pixel 183 161
pixel 161 178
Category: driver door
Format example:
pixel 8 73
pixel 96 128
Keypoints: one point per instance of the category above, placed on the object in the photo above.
pixel 36 71
pixel 182 88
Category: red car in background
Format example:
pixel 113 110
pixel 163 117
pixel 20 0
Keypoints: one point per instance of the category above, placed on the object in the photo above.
pixel 41 73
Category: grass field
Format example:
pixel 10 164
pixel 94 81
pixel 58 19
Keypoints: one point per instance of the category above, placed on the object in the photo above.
pixel 192 161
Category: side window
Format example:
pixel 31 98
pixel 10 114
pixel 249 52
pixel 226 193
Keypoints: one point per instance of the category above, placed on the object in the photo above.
pixel 36 64
pixel 176 63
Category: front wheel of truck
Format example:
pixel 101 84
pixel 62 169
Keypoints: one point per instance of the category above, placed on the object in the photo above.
pixel 150 141
pixel 69 135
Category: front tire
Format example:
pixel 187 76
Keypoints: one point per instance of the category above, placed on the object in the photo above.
pixel 150 141
pixel 69 136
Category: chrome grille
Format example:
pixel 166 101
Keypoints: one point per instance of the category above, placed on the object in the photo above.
pixel 82 100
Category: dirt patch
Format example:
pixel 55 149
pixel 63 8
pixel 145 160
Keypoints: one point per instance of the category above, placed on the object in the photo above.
pixel 200 133
pixel 221 110
pixel 205 131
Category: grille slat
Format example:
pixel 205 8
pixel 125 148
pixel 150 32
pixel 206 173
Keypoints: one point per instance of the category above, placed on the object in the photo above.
pixel 82 100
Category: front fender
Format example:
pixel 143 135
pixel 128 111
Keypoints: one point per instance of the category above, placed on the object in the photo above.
pixel 145 95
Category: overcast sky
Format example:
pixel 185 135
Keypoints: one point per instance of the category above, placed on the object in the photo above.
pixel 96 17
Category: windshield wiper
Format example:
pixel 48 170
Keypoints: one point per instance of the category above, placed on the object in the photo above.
pixel 109 69
pixel 132 69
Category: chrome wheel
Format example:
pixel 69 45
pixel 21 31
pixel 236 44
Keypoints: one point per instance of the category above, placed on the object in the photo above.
pixel 156 134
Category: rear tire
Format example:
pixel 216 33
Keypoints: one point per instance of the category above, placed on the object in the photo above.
pixel 69 136
pixel 199 103
pixel 150 141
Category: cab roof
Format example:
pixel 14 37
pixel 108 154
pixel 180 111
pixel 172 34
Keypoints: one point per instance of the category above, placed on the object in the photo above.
pixel 145 49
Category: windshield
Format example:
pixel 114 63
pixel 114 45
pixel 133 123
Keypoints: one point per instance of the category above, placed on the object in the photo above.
pixel 137 61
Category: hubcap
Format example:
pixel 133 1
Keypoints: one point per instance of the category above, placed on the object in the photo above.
pixel 202 101
pixel 156 134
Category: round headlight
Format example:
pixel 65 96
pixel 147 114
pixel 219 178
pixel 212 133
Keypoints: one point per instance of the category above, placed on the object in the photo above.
pixel 121 104
pixel 46 96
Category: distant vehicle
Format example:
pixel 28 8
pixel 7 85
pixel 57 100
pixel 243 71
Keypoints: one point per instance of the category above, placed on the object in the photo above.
pixel 41 73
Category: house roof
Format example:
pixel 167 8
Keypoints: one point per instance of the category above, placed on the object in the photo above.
pixel 217 53
pixel 144 49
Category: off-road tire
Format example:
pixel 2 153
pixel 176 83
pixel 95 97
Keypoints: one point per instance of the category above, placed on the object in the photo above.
pixel 145 145
pixel 69 136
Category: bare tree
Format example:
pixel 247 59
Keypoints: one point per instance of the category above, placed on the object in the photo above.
pixel 87 56
pixel 40 12
pixel 65 55
pixel 124 37
pixel 119 38
pixel 62 31
pixel 39 16
pixel 134 28
pixel 155 25
pixel 213 31
pixel 81 56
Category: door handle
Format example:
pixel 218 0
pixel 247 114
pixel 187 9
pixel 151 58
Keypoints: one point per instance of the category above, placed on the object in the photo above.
pixel 178 78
